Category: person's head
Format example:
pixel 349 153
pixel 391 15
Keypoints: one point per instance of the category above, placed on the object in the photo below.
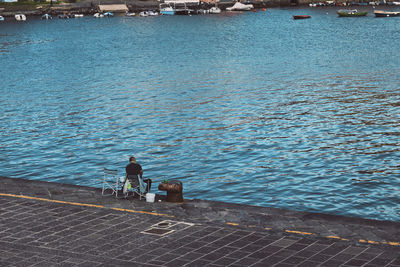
pixel 132 159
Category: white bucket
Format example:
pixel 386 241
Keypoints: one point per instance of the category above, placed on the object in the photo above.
pixel 150 197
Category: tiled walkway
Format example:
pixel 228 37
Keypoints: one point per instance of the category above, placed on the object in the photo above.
pixel 39 233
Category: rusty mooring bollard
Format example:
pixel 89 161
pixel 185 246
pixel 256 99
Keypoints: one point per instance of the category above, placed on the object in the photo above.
pixel 174 190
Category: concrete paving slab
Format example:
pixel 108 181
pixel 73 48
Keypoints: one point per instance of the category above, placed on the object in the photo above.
pixel 66 225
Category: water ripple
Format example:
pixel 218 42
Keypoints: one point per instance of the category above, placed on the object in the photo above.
pixel 249 108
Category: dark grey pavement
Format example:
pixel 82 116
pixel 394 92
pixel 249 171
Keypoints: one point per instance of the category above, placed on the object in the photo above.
pixel 49 224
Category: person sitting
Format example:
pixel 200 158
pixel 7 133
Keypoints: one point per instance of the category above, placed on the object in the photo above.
pixel 133 170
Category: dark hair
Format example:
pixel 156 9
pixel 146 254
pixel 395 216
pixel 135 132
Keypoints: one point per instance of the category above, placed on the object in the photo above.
pixel 132 158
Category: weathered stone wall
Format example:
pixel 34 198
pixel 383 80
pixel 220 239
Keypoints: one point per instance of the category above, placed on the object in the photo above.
pixel 89 6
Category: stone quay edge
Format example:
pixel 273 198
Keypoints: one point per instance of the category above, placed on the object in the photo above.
pixel 205 211
pixel 52 224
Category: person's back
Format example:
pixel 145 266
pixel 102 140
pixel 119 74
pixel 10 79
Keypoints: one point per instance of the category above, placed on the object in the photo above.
pixel 133 170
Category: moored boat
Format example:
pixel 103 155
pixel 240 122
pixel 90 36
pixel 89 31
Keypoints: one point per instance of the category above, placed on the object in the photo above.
pixel 176 9
pixel 203 11
pixel 1 18
pixel 382 13
pixel 98 15
pixel 351 13
pixel 76 16
pixel 240 7
pixel 46 16
pixel 166 9
pixel 301 17
pixel 152 13
pixel 108 14
pixel 20 17
pixel 63 16
pixel 214 10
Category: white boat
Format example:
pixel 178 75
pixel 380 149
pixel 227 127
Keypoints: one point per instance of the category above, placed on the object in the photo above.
pixel 77 16
pixel 383 13
pixel 177 9
pixel 167 9
pixel 214 10
pixel 108 14
pixel 130 14
pixel 203 11
pixel 1 18
pixel 20 17
pixel 47 16
pixel 144 14
pixel 240 7
pixel 98 15
pixel 152 13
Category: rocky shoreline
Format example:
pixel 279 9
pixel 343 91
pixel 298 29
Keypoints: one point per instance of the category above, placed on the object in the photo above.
pixel 88 8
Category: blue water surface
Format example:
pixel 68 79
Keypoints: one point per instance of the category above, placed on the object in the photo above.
pixel 252 108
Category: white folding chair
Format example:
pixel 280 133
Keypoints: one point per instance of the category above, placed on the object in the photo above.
pixel 110 181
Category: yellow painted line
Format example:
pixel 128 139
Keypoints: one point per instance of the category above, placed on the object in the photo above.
pixel 298 232
pixel 368 241
pixel 53 200
pixel 172 216
pixel 144 212
pixel 337 237
pixel 84 204
pixel 391 243
pixel 333 237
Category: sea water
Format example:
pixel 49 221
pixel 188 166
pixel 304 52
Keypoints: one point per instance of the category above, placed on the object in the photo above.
pixel 253 108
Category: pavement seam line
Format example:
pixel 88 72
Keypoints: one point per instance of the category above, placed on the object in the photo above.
pixel 84 204
pixel 144 212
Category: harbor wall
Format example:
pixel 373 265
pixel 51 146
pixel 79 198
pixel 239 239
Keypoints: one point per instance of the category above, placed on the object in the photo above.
pixel 90 7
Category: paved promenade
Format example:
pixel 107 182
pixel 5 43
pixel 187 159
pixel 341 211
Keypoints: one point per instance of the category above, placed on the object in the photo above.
pixel 49 224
